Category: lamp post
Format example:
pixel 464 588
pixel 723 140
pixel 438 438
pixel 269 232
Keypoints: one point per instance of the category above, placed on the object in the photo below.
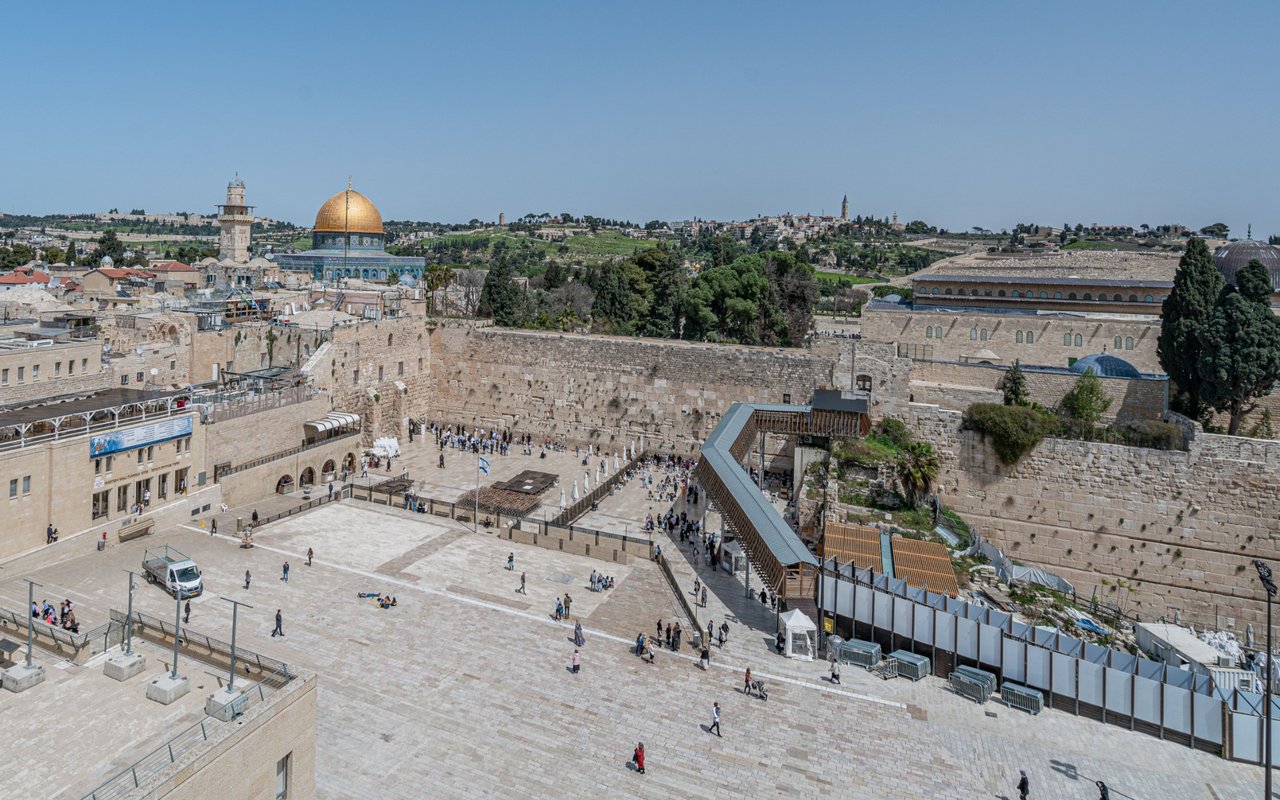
pixel 231 671
pixel 1264 575
pixel 128 617
pixel 177 628
pixel 31 626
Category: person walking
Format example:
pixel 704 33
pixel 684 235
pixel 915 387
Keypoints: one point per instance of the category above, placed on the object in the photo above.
pixel 186 613
pixel 668 639
pixel 715 720
pixel 705 658
pixel 213 527
pixel 247 576
pixel 710 631
pixel 284 572
pixel 1103 792
pixel 254 518
pixel 568 601
pixel 704 596
pixel 511 562
pixel 279 629
pixel 659 627
pixel 521 589
pixel 577 661
pixel 746 682
pixel 835 670
pixel 1024 785
pixel 310 553
pixel 637 758
pixel 330 490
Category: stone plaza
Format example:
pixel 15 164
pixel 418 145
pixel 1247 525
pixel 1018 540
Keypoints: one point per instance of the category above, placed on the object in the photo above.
pixel 463 689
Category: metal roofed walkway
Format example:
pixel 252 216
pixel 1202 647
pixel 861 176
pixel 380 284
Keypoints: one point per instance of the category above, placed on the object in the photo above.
pixel 781 558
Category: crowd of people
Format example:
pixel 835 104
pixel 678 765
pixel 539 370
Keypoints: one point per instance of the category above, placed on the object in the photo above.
pixel 64 616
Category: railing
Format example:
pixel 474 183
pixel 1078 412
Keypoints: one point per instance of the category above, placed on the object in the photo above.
pixel 147 625
pixel 219 474
pixel 582 506
pixel 81 645
pixel 320 500
pixel 224 410
pixel 78 431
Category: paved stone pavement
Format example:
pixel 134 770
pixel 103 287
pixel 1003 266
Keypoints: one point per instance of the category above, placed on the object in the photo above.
pixel 464 690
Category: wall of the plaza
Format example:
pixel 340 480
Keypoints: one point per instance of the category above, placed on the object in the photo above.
pixel 605 389
pixel 955 386
pixel 243 765
pixel 58 479
pixel 965 332
pixel 1153 531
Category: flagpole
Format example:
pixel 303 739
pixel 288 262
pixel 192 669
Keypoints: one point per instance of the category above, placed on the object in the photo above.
pixel 475 519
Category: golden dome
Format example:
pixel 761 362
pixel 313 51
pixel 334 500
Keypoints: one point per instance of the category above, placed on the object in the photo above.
pixel 348 211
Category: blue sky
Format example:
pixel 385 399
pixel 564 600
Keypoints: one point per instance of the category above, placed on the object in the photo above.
pixel 959 113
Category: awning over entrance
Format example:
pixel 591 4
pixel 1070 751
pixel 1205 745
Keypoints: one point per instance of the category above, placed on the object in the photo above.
pixel 334 420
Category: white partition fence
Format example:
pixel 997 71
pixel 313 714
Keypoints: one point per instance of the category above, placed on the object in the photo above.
pixel 1078 677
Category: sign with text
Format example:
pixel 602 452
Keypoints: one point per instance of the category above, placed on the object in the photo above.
pixel 141 436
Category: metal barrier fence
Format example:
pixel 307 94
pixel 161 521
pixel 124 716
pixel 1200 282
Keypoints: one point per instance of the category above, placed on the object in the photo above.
pixel 1076 676
pixel 582 506
pixel 145 624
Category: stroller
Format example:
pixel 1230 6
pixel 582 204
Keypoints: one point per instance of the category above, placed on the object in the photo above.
pixel 756 687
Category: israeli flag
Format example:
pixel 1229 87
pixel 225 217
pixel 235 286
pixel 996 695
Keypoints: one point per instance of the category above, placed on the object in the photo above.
pixel 484 465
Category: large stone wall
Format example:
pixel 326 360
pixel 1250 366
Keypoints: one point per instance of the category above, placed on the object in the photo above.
pixel 608 389
pixel 1155 531
pixel 955 386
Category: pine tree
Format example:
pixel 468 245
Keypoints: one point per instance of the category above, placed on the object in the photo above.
pixel 1014 386
pixel 1240 347
pixel 1186 312
pixel 500 297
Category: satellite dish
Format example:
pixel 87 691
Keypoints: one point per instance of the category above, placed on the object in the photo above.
pixel 154 372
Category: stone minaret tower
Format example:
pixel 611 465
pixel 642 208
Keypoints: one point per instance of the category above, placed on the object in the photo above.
pixel 236 220
pixel 844 207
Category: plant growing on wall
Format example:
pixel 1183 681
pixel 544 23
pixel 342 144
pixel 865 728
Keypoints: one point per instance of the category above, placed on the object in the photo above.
pixel 1014 386
pixel 1082 408
pixel 917 468
pixel 1012 430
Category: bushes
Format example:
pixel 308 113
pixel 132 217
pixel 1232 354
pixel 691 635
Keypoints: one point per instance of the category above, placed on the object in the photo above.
pixel 1012 430
pixel 895 430
pixel 1149 433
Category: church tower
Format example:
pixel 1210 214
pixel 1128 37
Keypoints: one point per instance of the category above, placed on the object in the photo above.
pixel 236 220
pixel 844 207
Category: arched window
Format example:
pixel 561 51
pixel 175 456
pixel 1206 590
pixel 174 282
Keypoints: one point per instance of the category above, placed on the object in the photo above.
pixel 928 331
pixel 1088 296
pixel 1066 340
pixel 389 337
pixel 1116 298
pixel 1057 295
pixel 1044 295
pixel 1118 342
pixel 1128 343
pixel 1071 296
pixel 1000 293
pixel 983 335
pixel 1133 298
pixel 1031 337
pixel 937 332
pixel 1017 293
pixel 948 290
pixel 1017 337
pixel 936 290
pixel 988 293
pixel 1147 299
pixel 1079 340
pixel 974 292
pixel 973 333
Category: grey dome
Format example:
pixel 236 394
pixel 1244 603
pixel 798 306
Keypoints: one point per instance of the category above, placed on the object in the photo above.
pixel 1105 366
pixel 1232 258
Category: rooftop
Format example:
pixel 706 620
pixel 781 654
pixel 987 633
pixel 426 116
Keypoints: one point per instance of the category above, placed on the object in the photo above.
pixel 1081 265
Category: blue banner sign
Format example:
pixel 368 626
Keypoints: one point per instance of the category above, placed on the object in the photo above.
pixel 141 436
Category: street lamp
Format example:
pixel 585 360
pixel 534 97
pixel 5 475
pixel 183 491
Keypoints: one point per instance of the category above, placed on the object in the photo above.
pixel 1264 575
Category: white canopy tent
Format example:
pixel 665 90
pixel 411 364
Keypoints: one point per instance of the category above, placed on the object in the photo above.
pixel 800 635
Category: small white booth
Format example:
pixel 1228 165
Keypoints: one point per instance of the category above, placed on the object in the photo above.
pixel 800 635
pixel 732 559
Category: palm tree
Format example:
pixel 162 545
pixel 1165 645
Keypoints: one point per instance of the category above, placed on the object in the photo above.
pixel 918 468
pixel 437 276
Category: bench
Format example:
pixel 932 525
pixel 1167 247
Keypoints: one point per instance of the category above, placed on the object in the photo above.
pixel 911 665
pixel 134 530
pixel 1022 697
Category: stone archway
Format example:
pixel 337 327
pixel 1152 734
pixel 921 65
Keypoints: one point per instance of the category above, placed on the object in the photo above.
pixel 307 478
pixel 328 470
pixel 284 485
pixel 349 462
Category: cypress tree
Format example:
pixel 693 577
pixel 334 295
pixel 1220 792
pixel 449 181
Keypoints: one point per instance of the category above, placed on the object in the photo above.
pixel 1186 313
pixel 1240 347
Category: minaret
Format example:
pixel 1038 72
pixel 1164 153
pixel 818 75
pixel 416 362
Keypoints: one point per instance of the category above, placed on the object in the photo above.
pixel 844 207
pixel 236 220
